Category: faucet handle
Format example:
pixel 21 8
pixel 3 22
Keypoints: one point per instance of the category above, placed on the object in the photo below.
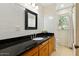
pixel 34 35
pixel 31 37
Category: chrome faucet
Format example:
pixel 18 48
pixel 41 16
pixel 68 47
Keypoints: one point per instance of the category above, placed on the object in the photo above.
pixel 33 36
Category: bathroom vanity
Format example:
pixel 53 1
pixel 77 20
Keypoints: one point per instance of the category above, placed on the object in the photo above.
pixel 44 47
pixel 43 44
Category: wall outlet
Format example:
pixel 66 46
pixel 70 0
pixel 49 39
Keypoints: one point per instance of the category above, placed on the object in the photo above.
pixel 17 28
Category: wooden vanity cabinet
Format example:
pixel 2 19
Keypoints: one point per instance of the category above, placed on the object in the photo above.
pixel 43 49
pixel 36 54
pixel 51 45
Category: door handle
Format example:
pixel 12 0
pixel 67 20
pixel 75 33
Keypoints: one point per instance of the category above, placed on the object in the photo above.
pixel 76 46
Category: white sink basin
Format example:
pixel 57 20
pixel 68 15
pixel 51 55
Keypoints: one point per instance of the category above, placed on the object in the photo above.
pixel 38 38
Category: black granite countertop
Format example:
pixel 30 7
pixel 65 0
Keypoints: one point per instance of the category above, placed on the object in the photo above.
pixel 16 46
pixel 38 42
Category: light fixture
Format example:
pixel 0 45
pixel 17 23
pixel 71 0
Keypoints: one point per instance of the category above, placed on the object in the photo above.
pixel 50 17
pixel 62 5
pixel 36 7
pixel 29 3
pixel 33 4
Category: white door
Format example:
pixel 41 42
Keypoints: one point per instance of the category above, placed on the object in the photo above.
pixel 66 35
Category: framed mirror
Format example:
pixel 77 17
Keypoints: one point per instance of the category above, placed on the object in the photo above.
pixel 30 20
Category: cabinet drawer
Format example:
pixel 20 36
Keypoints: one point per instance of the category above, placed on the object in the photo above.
pixel 31 52
pixel 43 44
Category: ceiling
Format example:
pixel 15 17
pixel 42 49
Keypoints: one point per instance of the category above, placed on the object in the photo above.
pixel 45 4
pixel 63 5
pixel 58 5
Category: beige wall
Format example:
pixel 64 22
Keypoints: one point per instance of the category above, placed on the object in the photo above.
pixel 50 19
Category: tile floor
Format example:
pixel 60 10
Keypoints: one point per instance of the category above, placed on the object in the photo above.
pixel 63 51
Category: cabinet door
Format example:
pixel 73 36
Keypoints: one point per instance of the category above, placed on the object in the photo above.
pixel 44 51
pixel 51 45
pixel 30 52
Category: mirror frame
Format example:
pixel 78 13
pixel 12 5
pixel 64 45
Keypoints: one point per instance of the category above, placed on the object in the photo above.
pixel 26 20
